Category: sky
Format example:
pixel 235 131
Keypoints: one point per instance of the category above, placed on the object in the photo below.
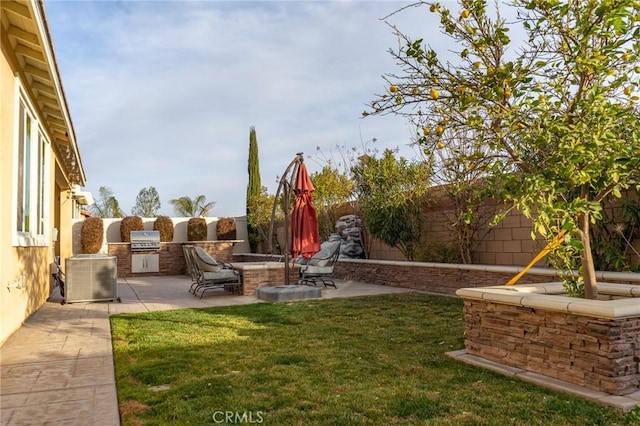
pixel 163 93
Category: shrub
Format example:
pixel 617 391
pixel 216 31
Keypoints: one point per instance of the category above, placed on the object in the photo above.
pixel 164 224
pixel 439 252
pixel 197 229
pixel 226 228
pixel 92 235
pixel 128 224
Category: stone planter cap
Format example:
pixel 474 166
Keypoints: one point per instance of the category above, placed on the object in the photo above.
pixel 615 300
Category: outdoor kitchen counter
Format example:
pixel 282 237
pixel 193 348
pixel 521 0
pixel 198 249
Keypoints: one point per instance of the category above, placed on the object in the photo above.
pixel 171 256
pixel 258 274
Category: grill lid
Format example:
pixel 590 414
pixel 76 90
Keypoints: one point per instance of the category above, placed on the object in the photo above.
pixel 145 236
pixel 145 240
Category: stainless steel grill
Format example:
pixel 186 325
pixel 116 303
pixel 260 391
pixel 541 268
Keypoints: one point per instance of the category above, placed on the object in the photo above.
pixel 145 241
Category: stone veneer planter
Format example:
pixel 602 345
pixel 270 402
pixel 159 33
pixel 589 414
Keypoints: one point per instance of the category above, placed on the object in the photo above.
pixel 590 343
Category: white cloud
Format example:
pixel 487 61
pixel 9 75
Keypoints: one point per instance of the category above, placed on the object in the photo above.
pixel 163 93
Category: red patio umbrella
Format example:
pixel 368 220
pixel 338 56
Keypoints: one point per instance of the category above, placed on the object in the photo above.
pixel 304 237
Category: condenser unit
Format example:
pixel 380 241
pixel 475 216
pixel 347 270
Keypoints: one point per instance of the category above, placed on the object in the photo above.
pixel 91 278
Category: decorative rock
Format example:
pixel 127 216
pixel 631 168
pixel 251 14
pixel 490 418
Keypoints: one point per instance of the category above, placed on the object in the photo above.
pixel 349 232
pixel 351 251
pixel 353 232
pixel 334 237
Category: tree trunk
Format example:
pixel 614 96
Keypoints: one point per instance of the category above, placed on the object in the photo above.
pixel 468 241
pixel 465 249
pixel 588 268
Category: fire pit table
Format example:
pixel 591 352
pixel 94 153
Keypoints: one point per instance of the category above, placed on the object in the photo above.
pixel 258 274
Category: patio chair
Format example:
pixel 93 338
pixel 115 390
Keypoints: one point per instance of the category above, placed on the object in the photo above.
pixel 209 274
pixel 192 268
pixel 319 268
pixel 57 276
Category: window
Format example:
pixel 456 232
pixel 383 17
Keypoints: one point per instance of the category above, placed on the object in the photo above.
pixel 32 178
pixel 42 180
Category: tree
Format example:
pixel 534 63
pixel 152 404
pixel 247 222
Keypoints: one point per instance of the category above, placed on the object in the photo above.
pixel 260 217
pixel 106 205
pixel 391 193
pixel 332 190
pixel 147 203
pixel 558 118
pixel 459 170
pixel 188 207
pixel 254 187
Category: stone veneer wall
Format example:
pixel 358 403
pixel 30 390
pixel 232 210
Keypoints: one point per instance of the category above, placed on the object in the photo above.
pixel 255 278
pixel 171 256
pixel 426 277
pixel 601 354
pixel 437 277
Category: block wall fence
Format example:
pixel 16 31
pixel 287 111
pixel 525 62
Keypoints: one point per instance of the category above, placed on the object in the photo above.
pixel 508 243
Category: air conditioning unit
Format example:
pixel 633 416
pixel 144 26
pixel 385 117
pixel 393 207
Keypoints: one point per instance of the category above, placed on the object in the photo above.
pixel 90 278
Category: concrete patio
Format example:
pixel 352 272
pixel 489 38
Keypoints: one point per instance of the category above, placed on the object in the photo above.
pixel 58 367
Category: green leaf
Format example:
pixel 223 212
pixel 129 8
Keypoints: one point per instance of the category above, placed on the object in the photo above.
pixel 616 192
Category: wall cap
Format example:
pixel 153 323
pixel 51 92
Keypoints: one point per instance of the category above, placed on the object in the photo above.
pixel 616 300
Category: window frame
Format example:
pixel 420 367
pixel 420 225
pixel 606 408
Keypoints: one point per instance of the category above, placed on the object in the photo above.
pixel 31 220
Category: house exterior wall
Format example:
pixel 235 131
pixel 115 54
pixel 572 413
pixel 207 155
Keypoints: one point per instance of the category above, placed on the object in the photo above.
pixel 20 266
pixel 65 230
pixel 13 303
pixel 27 69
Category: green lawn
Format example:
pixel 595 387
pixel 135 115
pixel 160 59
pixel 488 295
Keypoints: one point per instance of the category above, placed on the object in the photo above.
pixel 376 360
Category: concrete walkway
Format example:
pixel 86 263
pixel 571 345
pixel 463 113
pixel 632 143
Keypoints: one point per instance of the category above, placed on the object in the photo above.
pixel 57 369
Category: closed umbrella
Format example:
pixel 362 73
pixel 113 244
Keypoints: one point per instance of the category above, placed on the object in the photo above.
pixel 304 239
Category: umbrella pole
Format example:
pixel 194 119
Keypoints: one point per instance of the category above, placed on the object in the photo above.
pixel 287 226
pixel 287 234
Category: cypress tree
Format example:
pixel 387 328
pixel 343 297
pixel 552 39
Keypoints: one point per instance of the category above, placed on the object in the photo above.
pixel 254 187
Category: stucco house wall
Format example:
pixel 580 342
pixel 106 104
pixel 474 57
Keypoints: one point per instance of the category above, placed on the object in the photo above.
pixel 32 102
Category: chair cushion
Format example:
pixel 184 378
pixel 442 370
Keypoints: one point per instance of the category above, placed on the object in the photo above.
pixel 205 261
pixel 323 257
pixel 309 270
pixel 318 262
pixel 221 275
